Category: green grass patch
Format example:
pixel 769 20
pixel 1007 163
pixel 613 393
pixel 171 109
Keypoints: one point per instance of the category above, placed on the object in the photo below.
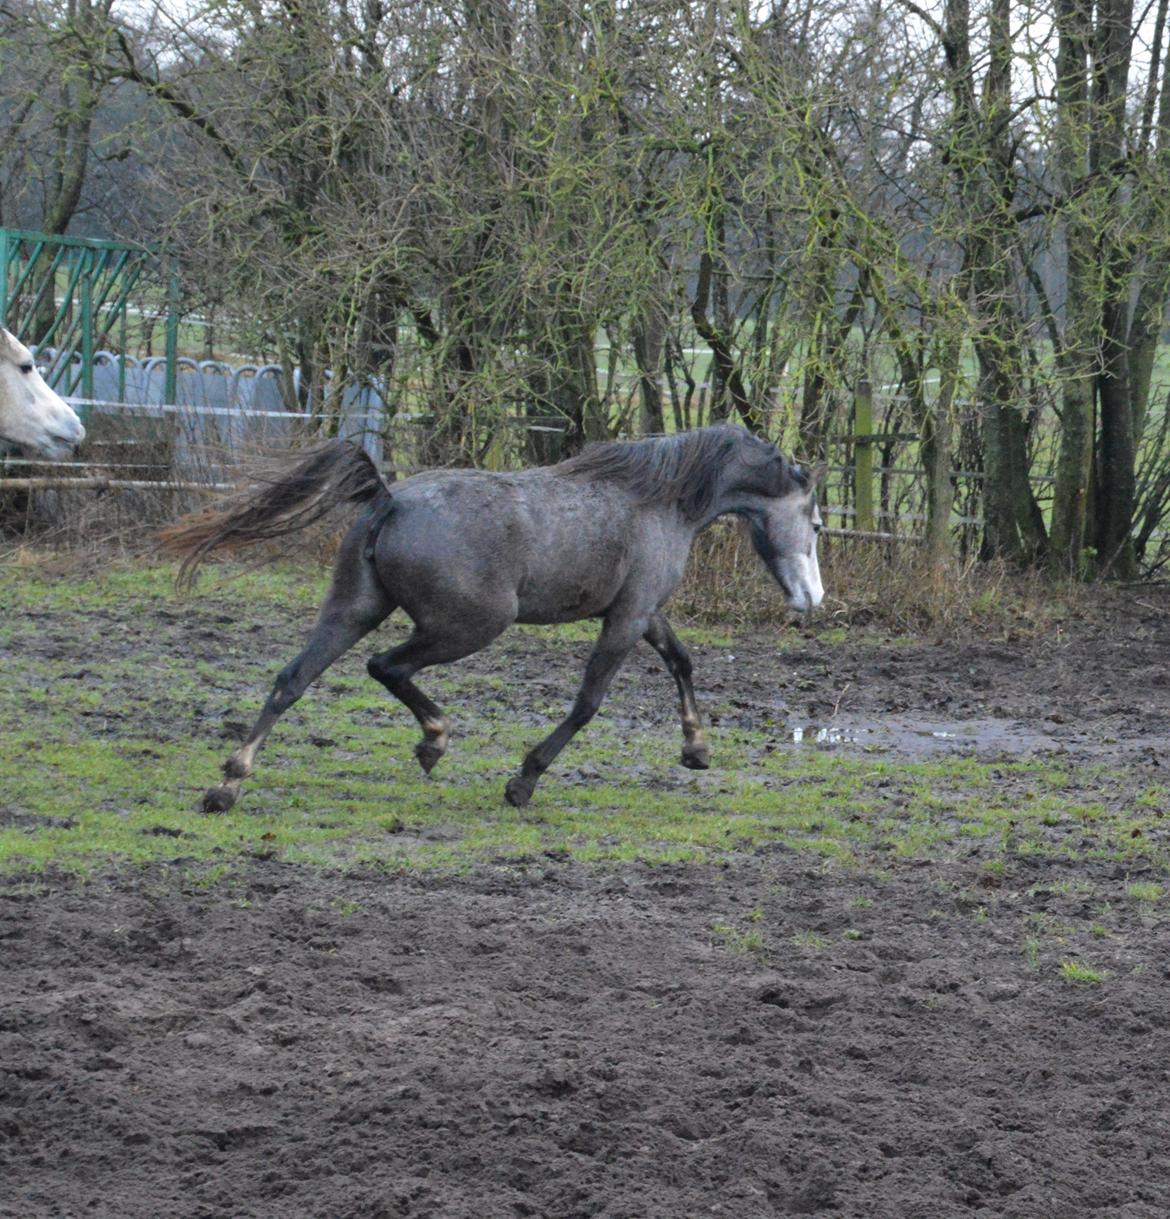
pixel 121 697
pixel 1080 974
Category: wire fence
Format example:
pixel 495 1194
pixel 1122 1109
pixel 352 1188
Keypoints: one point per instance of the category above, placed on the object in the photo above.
pixel 223 416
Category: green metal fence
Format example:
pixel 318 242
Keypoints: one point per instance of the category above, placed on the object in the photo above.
pixel 78 296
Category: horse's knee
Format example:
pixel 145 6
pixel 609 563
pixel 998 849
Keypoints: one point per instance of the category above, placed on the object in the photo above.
pixel 284 691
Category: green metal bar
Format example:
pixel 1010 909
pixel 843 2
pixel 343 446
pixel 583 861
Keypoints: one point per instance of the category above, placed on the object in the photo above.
pixel 21 279
pixel 87 336
pixel 117 285
pixel 120 310
pixel 112 271
pixel 82 243
pixel 79 267
pixel 66 340
pixel 60 374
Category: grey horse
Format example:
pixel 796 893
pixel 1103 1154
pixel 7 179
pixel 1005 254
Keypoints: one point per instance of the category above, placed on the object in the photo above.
pixel 466 553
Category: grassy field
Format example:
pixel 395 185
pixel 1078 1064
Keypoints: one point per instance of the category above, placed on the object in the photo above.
pixel 121 697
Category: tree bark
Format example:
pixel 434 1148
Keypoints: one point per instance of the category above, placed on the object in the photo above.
pixel 981 162
pixel 1118 449
pixel 1077 352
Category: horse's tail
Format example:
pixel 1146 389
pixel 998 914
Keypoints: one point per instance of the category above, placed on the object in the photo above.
pixel 336 473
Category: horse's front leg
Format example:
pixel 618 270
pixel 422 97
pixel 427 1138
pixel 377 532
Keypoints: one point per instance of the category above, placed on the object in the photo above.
pixel 678 661
pixel 617 638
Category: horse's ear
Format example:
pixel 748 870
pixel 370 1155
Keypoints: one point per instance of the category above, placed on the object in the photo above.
pixel 809 476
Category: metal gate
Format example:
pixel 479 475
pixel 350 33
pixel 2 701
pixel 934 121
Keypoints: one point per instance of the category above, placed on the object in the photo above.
pixel 73 297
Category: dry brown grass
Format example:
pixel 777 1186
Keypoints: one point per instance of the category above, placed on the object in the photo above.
pixel 883 585
pixel 868 584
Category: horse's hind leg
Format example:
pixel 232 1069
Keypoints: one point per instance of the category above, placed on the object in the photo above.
pixel 678 661
pixel 425 647
pixel 345 617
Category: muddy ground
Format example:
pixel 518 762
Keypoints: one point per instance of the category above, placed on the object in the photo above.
pixel 559 1040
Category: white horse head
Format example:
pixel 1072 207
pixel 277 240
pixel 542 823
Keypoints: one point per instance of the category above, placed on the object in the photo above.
pixel 32 416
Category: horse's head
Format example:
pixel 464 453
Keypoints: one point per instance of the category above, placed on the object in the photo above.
pixel 32 416
pixel 784 529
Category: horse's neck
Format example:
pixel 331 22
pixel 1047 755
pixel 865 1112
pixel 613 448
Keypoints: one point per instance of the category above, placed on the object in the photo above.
pixel 727 501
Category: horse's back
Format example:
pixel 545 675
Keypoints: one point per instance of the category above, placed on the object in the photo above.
pixel 535 545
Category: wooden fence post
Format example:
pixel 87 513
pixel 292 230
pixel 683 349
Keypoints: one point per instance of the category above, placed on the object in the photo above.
pixel 863 456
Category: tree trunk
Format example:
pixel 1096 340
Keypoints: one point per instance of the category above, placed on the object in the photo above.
pixel 981 161
pixel 1118 453
pixel 1076 356
pixel 649 341
pixel 936 430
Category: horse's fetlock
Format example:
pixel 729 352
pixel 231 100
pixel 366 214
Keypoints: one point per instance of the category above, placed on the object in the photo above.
pixel 437 726
pixel 236 768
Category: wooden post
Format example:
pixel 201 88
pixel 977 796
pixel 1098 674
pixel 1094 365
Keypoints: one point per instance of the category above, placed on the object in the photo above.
pixel 863 456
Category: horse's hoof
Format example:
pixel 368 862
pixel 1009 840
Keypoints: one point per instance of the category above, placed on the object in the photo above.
pixel 697 758
pixel 428 753
pixel 219 799
pixel 518 793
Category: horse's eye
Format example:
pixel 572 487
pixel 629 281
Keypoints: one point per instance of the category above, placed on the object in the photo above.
pixel 26 368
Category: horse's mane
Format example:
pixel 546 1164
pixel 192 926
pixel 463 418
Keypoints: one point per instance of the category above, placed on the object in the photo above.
pixel 683 468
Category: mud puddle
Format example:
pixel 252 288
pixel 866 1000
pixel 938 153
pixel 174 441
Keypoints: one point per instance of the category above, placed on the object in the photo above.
pixel 912 737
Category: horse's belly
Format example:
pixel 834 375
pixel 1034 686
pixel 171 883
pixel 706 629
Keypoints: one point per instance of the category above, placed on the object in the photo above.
pixel 548 611
pixel 567 591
